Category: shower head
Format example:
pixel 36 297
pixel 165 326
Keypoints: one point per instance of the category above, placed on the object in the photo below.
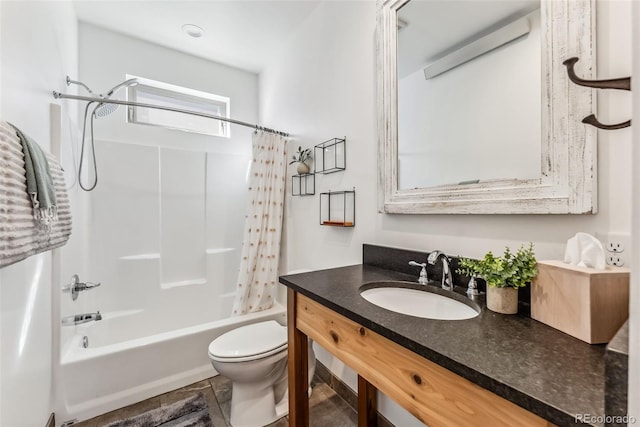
pixel 104 109
pixel 126 83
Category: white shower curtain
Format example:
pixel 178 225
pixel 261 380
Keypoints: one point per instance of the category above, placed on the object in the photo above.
pixel 258 276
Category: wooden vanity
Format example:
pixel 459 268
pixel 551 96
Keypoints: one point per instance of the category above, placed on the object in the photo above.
pixel 432 393
pixel 490 370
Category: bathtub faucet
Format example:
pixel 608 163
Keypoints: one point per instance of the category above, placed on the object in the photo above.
pixel 81 318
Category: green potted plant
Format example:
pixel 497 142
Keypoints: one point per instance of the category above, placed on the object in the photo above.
pixel 301 157
pixel 504 275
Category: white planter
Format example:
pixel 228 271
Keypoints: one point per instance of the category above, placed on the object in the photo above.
pixel 502 300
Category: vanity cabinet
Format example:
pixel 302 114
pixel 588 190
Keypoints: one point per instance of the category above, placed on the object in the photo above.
pixel 432 393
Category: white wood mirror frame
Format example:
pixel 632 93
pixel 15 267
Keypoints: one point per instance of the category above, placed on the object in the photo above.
pixel 567 183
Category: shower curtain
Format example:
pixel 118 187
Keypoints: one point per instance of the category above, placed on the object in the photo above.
pixel 257 279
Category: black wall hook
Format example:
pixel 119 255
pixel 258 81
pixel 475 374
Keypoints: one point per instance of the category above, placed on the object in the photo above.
pixel 623 83
pixel 593 121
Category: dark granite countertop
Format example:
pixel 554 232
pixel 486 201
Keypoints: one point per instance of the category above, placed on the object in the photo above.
pixel 531 364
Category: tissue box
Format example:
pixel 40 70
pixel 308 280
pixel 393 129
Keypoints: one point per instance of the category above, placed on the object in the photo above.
pixel 588 304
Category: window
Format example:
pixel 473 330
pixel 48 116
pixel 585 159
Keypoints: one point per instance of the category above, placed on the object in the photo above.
pixel 158 93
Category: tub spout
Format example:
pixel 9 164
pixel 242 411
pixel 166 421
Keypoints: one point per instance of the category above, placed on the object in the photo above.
pixel 81 318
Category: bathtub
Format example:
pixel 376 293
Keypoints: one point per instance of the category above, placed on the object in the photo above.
pixel 121 366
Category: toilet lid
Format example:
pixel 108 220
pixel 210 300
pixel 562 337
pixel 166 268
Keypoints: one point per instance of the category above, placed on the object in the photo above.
pixel 250 341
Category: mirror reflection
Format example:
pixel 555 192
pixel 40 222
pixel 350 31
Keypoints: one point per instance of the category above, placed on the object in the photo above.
pixel 469 92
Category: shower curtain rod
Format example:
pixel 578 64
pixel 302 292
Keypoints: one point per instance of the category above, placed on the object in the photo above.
pixel 58 95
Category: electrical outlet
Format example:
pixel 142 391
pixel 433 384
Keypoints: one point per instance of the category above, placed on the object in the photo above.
pixel 618 248
pixel 615 260
pixel 615 246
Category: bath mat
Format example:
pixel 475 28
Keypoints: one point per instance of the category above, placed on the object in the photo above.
pixel 190 412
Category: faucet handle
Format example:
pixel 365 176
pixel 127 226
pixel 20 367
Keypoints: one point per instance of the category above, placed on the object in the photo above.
pixel 423 273
pixel 87 285
pixel 472 288
pixel 76 286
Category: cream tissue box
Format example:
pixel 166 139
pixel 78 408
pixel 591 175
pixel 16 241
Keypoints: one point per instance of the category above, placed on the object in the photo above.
pixel 586 303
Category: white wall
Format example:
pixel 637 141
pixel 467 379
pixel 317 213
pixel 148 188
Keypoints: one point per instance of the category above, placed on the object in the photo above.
pixel 321 84
pixel 39 47
pixel 634 307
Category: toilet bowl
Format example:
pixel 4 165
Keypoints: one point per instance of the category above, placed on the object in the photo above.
pixel 254 358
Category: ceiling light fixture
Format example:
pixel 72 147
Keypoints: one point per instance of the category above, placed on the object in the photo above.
pixel 193 30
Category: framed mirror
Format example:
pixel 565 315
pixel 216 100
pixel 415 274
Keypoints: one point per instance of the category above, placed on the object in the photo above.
pixel 476 114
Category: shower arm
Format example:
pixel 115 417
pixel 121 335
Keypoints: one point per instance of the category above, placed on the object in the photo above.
pixel 126 83
pixel 76 82
pixel 58 95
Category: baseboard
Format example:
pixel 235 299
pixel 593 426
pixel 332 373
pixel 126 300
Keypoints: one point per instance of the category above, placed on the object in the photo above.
pixel 51 422
pixel 344 391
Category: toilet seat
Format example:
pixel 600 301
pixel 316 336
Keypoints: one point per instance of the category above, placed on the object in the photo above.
pixel 250 342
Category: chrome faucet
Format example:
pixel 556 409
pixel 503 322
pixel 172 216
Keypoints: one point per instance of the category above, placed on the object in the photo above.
pixel 423 273
pixel 81 318
pixel 447 278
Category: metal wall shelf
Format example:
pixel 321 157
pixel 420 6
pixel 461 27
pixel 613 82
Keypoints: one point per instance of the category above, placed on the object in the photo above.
pixel 330 156
pixel 338 208
pixel 303 184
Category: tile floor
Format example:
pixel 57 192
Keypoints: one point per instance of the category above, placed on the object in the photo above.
pixel 326 407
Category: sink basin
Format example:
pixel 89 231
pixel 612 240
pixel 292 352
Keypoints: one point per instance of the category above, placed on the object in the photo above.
pixel 419 302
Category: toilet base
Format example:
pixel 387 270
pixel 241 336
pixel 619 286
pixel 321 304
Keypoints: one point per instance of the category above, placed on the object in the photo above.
pixel 259 394
pixel 282 407
pixel 256 409
pixel 253 408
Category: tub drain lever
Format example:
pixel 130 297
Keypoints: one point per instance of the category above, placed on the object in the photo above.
pixel 76 286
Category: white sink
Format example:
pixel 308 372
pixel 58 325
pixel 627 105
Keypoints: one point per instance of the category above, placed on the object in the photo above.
pixel 418 303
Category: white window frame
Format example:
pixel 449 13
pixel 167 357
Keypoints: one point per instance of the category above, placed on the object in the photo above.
pixel 220 128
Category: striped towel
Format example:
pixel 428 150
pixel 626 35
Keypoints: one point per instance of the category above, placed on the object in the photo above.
pixel 21 234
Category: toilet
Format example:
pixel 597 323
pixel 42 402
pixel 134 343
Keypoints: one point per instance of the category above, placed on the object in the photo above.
pixel 254 358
